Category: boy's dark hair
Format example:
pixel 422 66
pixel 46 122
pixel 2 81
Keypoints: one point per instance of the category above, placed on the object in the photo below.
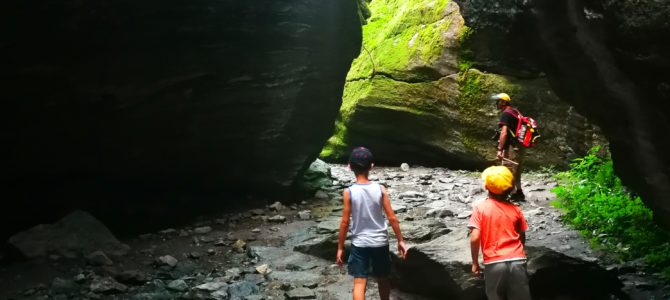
pixel 504 197
pixel 360 160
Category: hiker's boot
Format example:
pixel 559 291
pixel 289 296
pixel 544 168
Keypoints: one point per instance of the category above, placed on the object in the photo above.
pixel 518 196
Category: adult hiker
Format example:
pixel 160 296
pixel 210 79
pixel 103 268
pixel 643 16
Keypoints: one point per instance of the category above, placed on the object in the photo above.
pixel 498 228
pixel 509 151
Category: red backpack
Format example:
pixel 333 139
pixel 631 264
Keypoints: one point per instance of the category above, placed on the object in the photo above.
pixel 526 132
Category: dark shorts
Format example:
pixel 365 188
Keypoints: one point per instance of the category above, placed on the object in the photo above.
pixel 372 261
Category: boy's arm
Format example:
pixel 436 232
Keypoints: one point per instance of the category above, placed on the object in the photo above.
pixel 521 227
pixel 474 250
pixel 393 221
pixel 344 226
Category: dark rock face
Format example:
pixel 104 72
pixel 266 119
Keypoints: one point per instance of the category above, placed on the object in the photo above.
pixel 167 94
pixel 609 59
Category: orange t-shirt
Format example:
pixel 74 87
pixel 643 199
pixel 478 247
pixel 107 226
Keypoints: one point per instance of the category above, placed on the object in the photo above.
pixel 499 224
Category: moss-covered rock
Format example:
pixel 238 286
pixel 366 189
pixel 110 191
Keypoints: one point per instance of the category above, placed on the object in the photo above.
pixel 412 95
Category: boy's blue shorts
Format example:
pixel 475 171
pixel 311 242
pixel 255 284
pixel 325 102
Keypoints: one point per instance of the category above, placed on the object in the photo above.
pixel 365 261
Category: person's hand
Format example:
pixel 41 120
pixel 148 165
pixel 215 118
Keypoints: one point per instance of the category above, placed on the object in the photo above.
pixel 499 155
pixel 338 258
pixel 402 249
pixel 476 270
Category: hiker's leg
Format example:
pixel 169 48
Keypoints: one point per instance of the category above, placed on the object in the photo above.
pixel 384 286
pixel 494 281
pixel 359 288
pixel 517 282
pixel 359 260
pixel 381 269
pixel 519 154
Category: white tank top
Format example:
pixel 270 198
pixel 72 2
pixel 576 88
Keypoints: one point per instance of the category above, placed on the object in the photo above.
pixel 368 224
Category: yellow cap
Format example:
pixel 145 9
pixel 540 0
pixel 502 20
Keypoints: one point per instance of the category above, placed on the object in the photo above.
pixel 501 96
pixel 497 179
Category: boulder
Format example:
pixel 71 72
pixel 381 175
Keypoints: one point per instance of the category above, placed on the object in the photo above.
pixel 323 246
pixel 239 290
pixel 283 259
pixel 207 95
pixel 414 96
pixel 329 225
pixel 440 268
pixel 424 230
pixel 316 176
pixel 554 275
pixel 77 234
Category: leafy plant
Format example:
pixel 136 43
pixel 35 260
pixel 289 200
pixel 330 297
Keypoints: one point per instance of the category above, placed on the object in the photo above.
pixel 602 209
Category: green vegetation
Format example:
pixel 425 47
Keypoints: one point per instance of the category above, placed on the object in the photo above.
pixel 399 34
pixel 602 209
pixel 465 55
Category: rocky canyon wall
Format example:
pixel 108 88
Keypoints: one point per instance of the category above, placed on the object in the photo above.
pixel 121 96
pixel 419 93
pixel 610 60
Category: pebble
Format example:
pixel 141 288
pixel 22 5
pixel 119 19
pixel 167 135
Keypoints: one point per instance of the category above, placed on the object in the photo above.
pixel 177 285
pixel 167 260
pixel 168 231
pixel 263 269
pixel 305 214
pixel 257 212
pixel 277 206
pixel 107 285
pixel 256 230
pixel 301 293
pixel 321 195
pixel 79 278
pixel 277 219
pixel 216 285
pixel 64 286
pixel 133 277
pixel 203 230
pixel 98 258
pixel 233 273
pixel 239 246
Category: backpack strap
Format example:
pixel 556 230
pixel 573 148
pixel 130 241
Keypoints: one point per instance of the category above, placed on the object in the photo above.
pixel 517 114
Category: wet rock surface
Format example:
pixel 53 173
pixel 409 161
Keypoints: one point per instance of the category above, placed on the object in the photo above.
pixel 245 255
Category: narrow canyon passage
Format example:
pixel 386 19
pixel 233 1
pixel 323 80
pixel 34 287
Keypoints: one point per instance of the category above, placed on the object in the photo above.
pixel 164 149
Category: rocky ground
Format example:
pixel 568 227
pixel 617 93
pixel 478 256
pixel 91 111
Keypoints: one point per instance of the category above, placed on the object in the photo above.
pixel 286 250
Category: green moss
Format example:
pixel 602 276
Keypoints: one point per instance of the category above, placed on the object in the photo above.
pixel 420 98
pixel 465 55
pixel 335 146
pixel 400 33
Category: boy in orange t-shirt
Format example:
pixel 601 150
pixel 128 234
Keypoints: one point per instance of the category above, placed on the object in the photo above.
pixel 498 227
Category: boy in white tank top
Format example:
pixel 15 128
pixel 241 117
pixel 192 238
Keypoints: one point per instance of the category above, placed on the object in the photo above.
pixel 365 204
